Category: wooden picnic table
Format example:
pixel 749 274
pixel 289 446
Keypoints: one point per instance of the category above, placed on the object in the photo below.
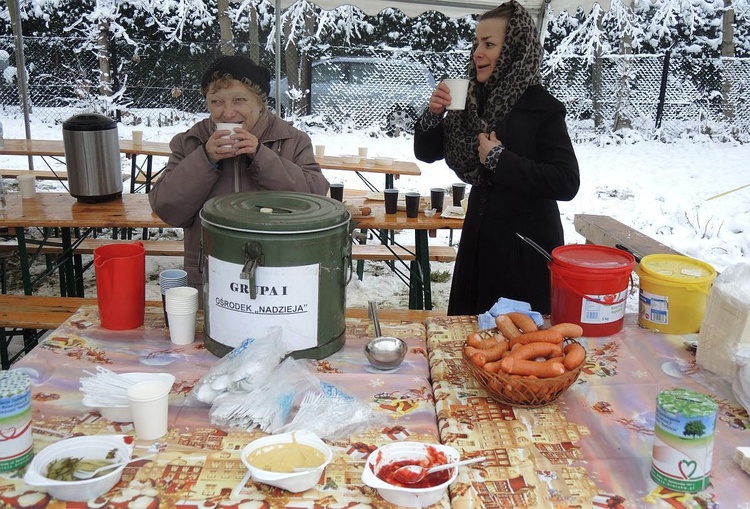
pixel 55 149
pixel 391 172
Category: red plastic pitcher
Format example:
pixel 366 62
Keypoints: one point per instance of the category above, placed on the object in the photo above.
pixel 121 285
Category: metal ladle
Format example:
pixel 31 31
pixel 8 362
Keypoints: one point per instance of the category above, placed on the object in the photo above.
pixel 383 352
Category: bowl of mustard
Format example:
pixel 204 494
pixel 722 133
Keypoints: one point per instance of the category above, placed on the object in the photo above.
pixel 292 461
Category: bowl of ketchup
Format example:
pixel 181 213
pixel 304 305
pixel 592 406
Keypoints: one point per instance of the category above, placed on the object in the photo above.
pixel 379 472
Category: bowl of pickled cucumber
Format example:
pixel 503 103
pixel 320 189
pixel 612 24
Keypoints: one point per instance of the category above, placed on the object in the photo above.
pixel 54 467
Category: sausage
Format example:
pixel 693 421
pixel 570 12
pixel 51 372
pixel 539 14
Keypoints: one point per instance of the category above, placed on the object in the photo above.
pixel 568 330
pixel 515 366
pixel 531 351
pixel 506 327
pixel 477 341
pixel 523 321
pixel 545 336
pixel 492 366
pixel 494 353
pixel 475 355
pixel 575 354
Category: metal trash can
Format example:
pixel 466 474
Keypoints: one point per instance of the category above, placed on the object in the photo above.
pixel 92 156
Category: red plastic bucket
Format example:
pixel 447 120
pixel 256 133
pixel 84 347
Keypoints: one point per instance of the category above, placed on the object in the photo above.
pixel 590 287
pixel 121 285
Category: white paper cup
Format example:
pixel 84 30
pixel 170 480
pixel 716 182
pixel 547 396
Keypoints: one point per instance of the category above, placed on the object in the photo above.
pixel 27 186
pixel 137 137
pixel 182 327
pixel 149 405
pixel 458 88
pixel 180 296
pixel 320 150
pixel 363 152
pixel 227 126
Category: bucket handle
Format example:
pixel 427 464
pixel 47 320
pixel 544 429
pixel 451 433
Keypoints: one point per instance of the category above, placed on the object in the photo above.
pixel 597 301
pixel 348 262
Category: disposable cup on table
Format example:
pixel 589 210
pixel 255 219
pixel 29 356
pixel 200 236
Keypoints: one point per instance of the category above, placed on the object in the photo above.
pixel 363 152
pixel 149 406
pixel 391 200
pixel 137 137
pixel 320 150
pixel 458 190
pixel 337 192
pixel 27 186
pixel 182 327
pixel 458 90
pixel 412 204
pixel 437 198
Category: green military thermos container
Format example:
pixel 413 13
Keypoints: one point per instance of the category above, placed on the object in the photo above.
pixel 275 259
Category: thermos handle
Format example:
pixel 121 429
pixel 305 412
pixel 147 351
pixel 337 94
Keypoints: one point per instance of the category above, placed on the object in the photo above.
pixel 253 259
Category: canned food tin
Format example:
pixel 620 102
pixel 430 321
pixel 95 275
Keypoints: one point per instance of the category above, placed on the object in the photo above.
pixel 683 440
pixel 16 437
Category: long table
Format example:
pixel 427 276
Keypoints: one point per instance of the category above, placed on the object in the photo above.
pixel 60 210
pixel 397 169
pixel 197 464
pixel 593 447
pixel 420 287
pixel 55 149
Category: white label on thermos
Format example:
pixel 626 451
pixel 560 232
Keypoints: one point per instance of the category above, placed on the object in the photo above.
pixel 285 296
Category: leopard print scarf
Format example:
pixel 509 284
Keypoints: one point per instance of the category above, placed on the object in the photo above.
pixel 489 103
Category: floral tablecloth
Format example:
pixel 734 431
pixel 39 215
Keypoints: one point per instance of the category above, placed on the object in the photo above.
pixel 591 448
pixel 197 465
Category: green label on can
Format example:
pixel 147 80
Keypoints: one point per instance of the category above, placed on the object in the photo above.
pixel 683 440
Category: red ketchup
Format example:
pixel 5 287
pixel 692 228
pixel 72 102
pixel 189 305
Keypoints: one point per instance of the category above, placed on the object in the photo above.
pixel 433 459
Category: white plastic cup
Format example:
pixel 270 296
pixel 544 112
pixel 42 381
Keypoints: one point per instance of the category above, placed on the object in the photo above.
pixel 181 299
pixel 137 138
pixel 182 327
pixel 149 406
pixel 363 152
pixel 227 126
pixel 172 278
pixel 320 150
pixel 27 186
pixel 458 88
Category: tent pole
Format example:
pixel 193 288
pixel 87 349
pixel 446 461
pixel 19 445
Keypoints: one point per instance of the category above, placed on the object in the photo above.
pixel 543 21
pixel 21 78
pixel 278 58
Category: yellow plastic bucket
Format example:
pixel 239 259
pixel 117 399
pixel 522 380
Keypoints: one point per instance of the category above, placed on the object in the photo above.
pixel 673 292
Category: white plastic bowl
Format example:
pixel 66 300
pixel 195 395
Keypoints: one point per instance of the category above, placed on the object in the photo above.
pixel 384 161
pixel 89 447
pixel 400 451
pixel 121 413
pixel 350 158
pixel 297 481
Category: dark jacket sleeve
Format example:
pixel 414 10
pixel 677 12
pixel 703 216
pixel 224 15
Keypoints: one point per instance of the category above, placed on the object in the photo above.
pixel 428 144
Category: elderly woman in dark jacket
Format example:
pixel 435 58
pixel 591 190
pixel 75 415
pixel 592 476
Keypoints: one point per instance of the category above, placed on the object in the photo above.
pixel 266 153
pixel 512 145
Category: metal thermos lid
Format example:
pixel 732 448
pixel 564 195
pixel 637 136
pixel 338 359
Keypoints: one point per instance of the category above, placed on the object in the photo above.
pixel 89 122
pixel 274 212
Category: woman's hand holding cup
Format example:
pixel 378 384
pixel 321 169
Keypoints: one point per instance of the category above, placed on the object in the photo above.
pixel 440 99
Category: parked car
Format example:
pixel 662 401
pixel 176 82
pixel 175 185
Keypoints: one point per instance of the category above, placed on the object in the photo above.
pixel 366 91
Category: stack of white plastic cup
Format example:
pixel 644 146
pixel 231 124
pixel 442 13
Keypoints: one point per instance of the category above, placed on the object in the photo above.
pixel 182 309
pixel 171 278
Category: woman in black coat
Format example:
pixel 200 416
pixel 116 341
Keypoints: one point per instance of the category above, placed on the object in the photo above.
pixel 512 145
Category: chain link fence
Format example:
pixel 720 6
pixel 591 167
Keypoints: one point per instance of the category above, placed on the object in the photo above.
pixel 154 84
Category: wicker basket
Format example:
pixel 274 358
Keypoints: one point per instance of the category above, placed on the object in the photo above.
pixel 521 391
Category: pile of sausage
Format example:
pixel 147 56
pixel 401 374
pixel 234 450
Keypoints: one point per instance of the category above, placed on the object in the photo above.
pixel 520 348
